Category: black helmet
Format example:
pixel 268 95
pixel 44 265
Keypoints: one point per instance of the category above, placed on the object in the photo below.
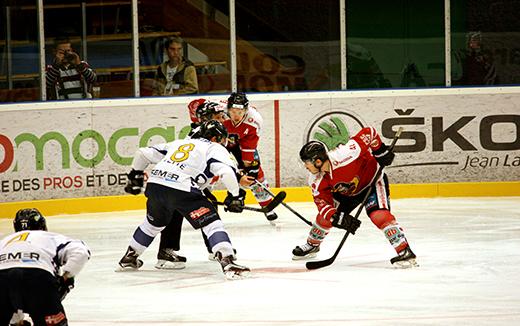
pixel 29 219
pixel 206 110
pixel 312 151
pixel 237 100
pixel 213 128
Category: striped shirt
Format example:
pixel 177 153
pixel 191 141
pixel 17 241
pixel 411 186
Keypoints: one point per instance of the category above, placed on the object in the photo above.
pixel 72 82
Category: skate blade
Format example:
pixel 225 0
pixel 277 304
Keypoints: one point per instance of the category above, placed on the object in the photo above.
pixel 170 265
pixel 237 275
pixel 120 268
pixel 404 264
pixel 129 268
pixel 309 256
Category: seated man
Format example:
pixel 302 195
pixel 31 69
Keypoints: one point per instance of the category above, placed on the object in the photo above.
pixel 177 76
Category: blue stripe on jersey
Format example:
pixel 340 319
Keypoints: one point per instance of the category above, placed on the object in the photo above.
pixel 56 258
pixel 163 152
pixel 218 237
pixel 195 190
pixel 212 160
pixel 142 238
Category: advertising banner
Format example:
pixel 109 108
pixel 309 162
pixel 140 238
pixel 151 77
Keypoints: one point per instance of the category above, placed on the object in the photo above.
pixel 449 138
pixel 70 150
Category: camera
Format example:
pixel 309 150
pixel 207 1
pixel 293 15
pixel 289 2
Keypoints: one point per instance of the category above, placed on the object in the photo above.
pixel 69 57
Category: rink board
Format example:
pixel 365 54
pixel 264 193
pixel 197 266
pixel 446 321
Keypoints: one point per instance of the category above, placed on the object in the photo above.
pixel 81 149
pixel 294 194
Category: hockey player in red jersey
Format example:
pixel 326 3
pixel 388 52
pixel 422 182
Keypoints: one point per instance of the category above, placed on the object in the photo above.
pixel 344 175
pixel 244 126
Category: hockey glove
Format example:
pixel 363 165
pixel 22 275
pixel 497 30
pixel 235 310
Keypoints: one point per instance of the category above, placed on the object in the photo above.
pixel 64 286
pixel 253 169
pixel 135 182
pixel 383 156
pixel 234 204
pixel 346 222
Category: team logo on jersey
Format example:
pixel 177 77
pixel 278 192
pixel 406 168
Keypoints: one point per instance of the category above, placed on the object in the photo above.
pixel 196 214
pixel 365 139
pixel 346 159
pixel 55 319
pixel 346 188
pixel 23 256
pixel 333 128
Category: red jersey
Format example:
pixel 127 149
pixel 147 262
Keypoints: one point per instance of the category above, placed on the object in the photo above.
pixel 245 134
pixel 352 168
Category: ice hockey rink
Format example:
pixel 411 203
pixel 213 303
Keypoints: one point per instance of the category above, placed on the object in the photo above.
pixel 468 251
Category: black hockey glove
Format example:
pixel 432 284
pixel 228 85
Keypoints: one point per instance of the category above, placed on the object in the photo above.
pixel 384 156
pixel 234 204
pixel 64 286
pixel 135 182
pixel 346 222
pixel 253 169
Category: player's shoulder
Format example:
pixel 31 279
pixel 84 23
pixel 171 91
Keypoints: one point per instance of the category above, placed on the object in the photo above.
pixel 344 152
pixel 219 152
pixel 253 113
pixel 253 118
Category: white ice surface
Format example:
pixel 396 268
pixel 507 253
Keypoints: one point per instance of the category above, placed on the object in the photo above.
pixel 468 250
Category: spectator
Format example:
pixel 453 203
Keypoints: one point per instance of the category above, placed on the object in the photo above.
pixel 477 63
pixel 68 77
pixel 177 76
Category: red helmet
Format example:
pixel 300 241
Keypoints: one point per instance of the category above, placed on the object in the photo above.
pixel 192 107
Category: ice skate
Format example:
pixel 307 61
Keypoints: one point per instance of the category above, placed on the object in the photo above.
pixel 305 251
pixel 130 261
pixel 405 259
pixel 231 270
pixel 213 257
pixel 167 258
pixel 271 217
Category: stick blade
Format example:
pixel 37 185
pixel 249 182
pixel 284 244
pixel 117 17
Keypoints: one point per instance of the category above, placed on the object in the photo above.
pixel 277 200
pixel 318 263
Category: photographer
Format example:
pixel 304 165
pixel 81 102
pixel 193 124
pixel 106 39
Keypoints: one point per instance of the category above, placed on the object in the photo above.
pixel 68 77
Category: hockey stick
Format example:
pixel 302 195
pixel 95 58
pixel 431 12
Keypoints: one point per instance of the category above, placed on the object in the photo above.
pixel 283 203
pixel 324 263
pixel 277 200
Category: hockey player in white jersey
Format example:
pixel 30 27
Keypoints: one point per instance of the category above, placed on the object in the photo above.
pixel 37 270
pixel 174 190
pixel 167 257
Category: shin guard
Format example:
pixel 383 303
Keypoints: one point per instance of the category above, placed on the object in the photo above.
pixel 262 197
pixel 317 234
pixel 386 222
